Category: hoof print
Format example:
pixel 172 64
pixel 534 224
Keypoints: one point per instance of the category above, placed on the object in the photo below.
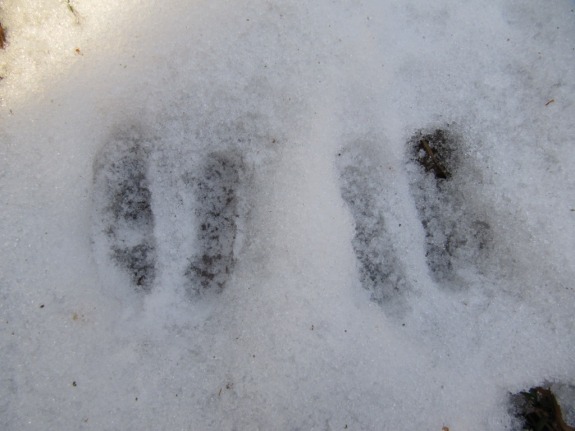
pixel 123 205
pixel 456 228
pixel 381 271
pixel 215 193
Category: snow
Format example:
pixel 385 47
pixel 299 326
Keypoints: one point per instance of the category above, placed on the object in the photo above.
pixel 319 296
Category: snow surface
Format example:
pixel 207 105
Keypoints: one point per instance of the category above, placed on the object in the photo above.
pixel 317 297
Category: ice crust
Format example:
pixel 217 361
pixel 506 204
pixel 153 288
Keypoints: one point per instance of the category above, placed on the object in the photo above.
pixel 321 295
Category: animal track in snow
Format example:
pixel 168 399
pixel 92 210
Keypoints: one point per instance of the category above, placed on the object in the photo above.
pixel 456 227
pixel 122 202
pixel 126 223
pixel 457 230
pixel 361 185
pixel 215 194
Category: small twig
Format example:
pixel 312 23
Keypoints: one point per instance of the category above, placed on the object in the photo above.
pixel 74 11
pixel 440 170
pixel 2 37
